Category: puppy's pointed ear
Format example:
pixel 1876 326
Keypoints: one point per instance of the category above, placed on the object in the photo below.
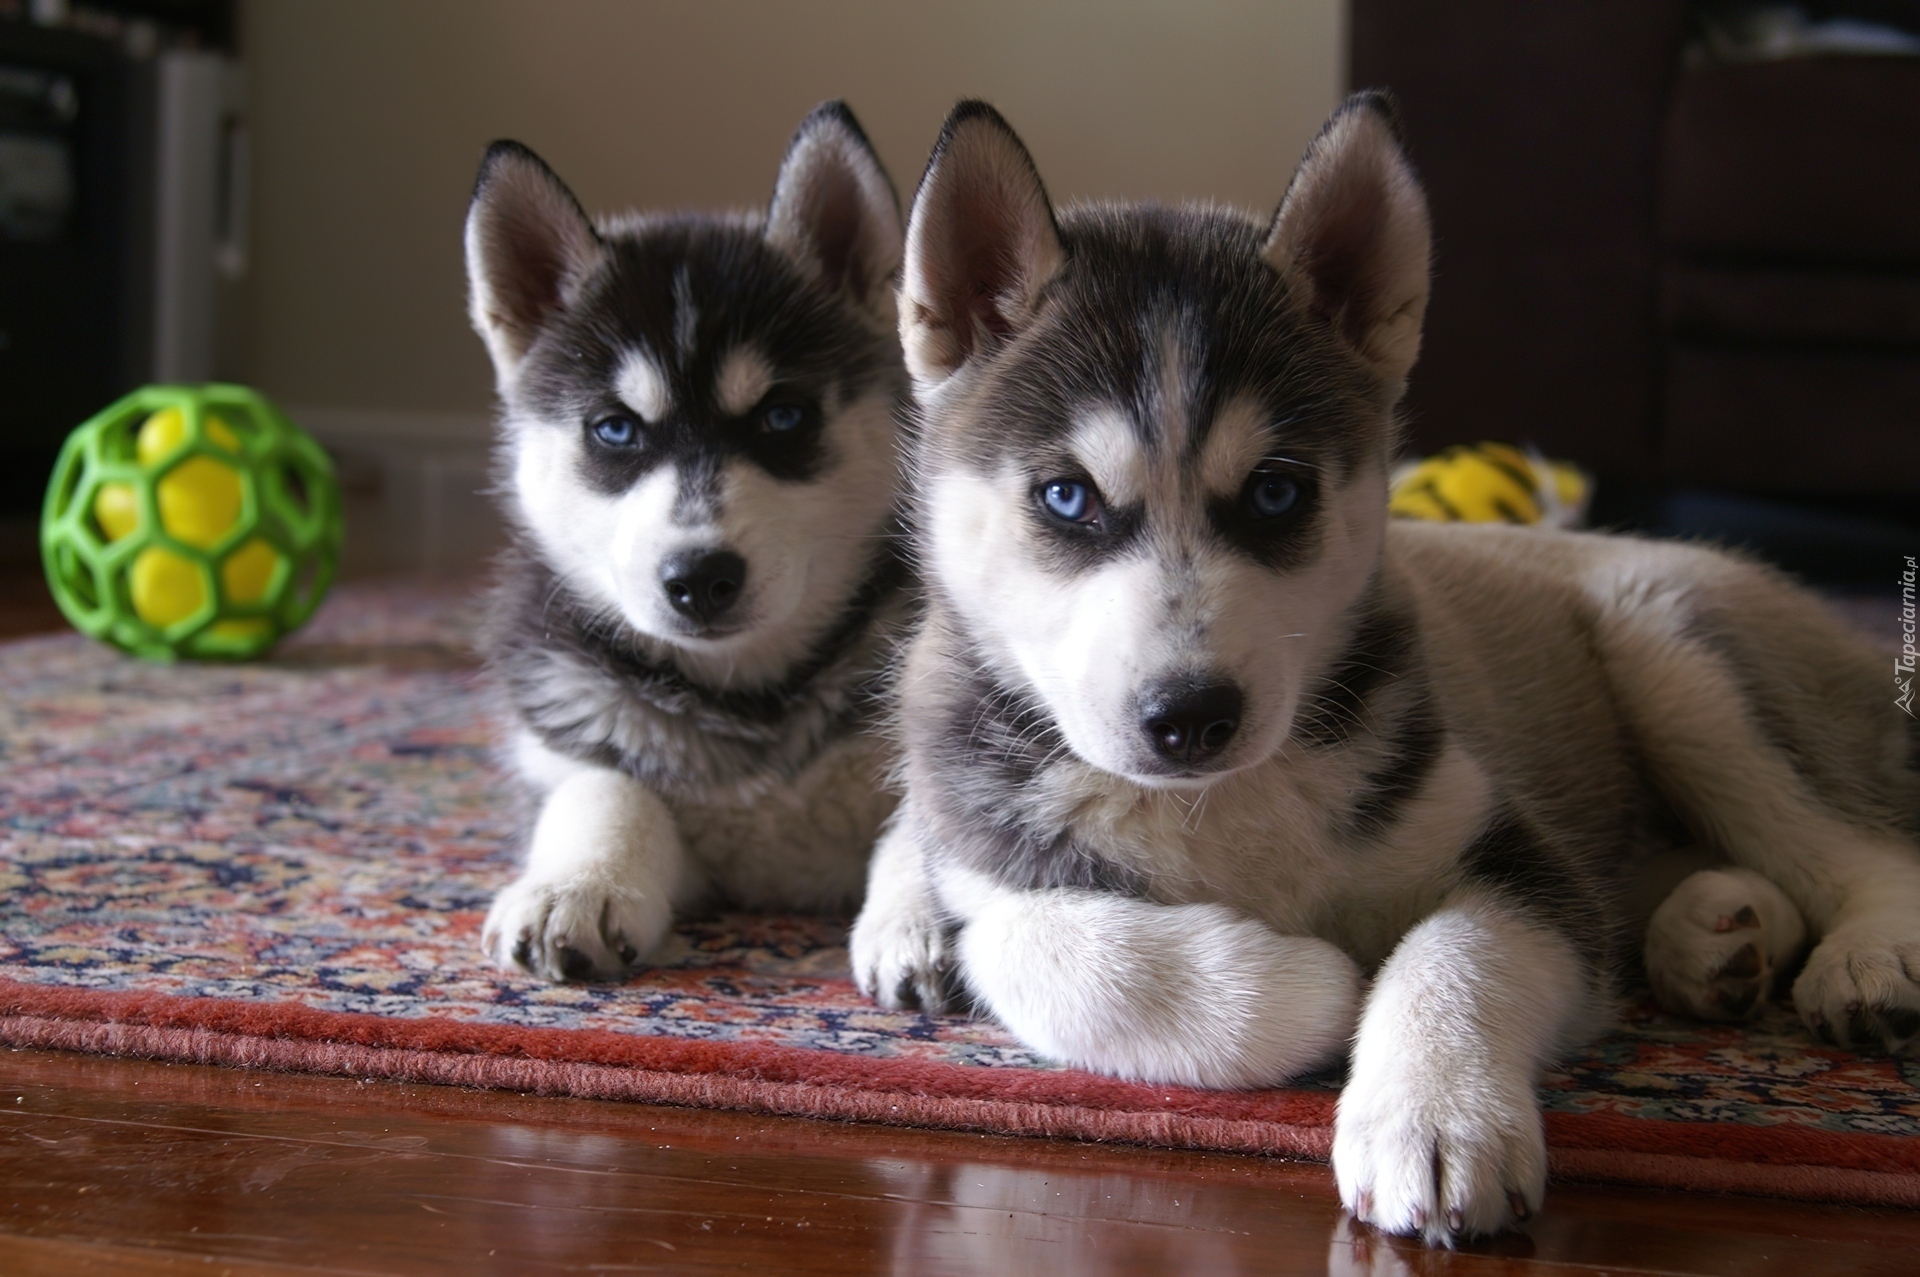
pixel 1352 236
pixel 834 208
pixel 981 241
pixel 529 248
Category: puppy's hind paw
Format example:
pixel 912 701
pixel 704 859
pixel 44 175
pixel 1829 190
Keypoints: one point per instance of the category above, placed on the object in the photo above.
pixel 1861 988
pixel 903 961
pixel 1714 946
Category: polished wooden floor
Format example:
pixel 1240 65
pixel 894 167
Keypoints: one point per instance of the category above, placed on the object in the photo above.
pixel 129 1167
pixel 116 1166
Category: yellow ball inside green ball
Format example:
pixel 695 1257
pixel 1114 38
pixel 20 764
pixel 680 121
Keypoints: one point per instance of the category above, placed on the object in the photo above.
pixel 191 521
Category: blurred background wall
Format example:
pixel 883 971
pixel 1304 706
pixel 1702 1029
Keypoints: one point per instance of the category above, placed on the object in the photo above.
pixel 369 118
pixel 1675 239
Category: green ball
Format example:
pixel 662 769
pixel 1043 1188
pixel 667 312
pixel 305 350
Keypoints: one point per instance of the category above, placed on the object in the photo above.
pixel 191 521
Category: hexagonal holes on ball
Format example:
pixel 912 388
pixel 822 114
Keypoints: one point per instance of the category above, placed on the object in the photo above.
pixel 162 434
pixel 167 587
pixel 307 585
pixel 118 441
pixel 247 575
pixel 76 574
pixel 200 500
pixel 292 498
pixel 115 511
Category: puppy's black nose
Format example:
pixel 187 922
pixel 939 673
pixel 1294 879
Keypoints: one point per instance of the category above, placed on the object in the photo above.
pixel 1190 721
pixel 703 584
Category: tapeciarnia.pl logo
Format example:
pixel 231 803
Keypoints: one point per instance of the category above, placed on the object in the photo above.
pixel 1903 664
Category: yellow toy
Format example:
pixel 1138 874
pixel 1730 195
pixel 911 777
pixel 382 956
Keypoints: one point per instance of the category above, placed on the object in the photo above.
pixel 190 521
pixel 1491 483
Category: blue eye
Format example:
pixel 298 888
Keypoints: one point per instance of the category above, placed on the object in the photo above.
pixel 1069 500
pixel 616 432
pixel 1271 495
pixel 782 417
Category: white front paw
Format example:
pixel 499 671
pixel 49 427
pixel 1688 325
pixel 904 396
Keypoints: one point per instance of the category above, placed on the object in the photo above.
pixel 597 893
pixel 900 958
pixel 1440 1154
pixel 1861 985
pixel 584 928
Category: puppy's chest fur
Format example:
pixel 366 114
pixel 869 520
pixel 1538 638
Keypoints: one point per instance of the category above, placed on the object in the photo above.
pixel 801 844
pixel 1414 741
pixel 593 690
pixel 1281 842
pixel 790 768
pixel 1351 832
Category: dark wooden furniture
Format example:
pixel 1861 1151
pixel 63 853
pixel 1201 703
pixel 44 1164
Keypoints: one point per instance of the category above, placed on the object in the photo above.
pixel 1677 275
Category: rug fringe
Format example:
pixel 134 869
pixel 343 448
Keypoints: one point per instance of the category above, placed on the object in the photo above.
pixel 582 1080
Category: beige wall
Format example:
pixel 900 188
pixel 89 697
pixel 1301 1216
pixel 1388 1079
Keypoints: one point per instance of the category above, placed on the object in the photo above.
pixel 370 116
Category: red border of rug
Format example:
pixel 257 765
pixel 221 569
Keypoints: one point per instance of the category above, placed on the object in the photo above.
pixel 1782 1161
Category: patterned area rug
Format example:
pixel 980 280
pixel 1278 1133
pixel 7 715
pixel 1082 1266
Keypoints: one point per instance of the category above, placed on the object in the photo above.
pixel 286 865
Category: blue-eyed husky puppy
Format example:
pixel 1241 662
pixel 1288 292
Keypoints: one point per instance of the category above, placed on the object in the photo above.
pixel 698 464
pixel 1196 742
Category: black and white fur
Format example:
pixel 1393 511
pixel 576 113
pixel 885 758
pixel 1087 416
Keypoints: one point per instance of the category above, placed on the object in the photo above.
pixel 698 459
pixel 1213 774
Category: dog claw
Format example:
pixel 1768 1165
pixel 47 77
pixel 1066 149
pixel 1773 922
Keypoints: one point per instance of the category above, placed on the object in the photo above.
pixel 1456 1219
pixel 574 964
pixel 1517 1203
pixel 1889 1029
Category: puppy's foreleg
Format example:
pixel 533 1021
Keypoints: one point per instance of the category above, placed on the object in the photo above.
pixel 898 948
pixel 602 870
pixel 1439 1129
pixel 1195 994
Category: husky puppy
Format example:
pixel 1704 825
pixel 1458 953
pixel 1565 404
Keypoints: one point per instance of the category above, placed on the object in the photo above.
pixel 1212 772
pixel 699 467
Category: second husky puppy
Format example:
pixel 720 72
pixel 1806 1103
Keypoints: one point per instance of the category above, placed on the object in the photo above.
pixel 698 463
pixel 1194 738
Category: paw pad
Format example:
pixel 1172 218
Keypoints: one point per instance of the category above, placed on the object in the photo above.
pixel 1744 964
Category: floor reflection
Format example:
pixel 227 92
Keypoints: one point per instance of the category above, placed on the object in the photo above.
pixel 986 1220
pixel 1357 1250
